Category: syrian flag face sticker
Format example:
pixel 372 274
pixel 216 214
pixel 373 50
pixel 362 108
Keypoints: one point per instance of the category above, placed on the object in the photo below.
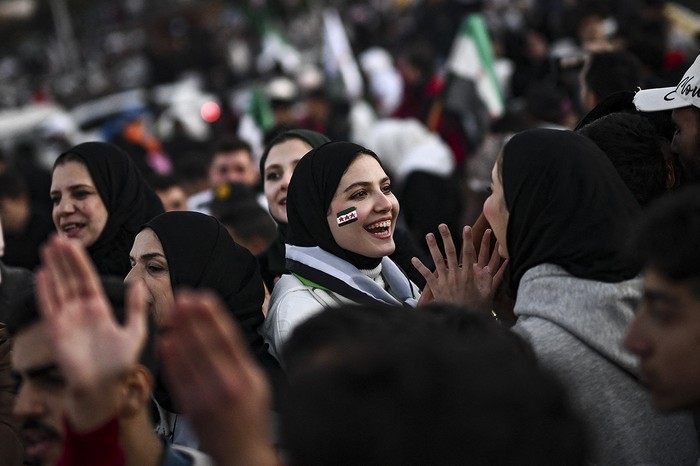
pixel 347 216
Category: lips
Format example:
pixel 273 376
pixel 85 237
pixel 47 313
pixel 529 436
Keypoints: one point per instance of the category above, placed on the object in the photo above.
pixel 72 229
pixel 40 440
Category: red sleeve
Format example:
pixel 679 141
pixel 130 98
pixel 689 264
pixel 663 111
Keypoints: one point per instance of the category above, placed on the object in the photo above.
pixel 99 446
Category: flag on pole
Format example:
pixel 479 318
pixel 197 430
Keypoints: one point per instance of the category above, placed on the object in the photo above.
pixel 338 56
pixel 471 58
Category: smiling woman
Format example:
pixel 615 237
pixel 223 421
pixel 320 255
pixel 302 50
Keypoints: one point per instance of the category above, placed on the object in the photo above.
pixel 342 216
pixel 101 200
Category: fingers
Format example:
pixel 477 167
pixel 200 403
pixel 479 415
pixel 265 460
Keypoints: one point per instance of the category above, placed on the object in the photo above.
pixel 438 260
pixel 468 252
pixel 204 348
pixel 498 276
pixel 449 245
pixel 484 249
pixel 69 271
pixel 45 294
pixel 136 323
pixel 422 269
pixel 495 258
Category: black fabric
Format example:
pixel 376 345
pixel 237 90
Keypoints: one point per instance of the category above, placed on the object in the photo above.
pixel 16 284
pixel 272 261
pixel 311 191
pixel 22 247
pixel 129 200
pixel 567 206
pixel 201 254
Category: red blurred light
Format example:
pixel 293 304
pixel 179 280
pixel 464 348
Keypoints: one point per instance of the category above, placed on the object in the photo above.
pixel 210 112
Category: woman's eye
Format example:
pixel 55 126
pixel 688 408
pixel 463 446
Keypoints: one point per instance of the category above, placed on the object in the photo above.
pixel 359 195
pixel 155 268
pixel 273 176
pixel 81 194
pixel 386 189
pixel 55 200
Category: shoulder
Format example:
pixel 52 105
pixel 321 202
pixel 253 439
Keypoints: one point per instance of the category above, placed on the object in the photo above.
pixel 292 303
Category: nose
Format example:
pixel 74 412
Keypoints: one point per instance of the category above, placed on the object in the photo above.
pixel 383 203
pixel 286 178
pixel 64 206
pixel 132 277
pixel 635 339
pixel 28 403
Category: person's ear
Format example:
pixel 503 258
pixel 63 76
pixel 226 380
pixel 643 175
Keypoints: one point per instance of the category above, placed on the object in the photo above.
pixel 138 388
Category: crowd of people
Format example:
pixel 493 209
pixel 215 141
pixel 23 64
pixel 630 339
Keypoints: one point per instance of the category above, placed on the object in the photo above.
pixel 397 288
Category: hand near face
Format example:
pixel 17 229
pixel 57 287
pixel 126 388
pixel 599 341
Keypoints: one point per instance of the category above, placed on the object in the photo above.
pixel 92 349
pixel 472 283
pixel 216 381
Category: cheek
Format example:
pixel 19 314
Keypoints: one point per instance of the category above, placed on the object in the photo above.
pixel 488 208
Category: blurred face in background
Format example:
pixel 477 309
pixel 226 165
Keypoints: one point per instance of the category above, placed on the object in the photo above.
pixel 173 198
pixel 281 161
pixel 234 167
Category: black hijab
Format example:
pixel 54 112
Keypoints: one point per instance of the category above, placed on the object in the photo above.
pixel 567 206
pixel 311 190
pixel 272 261
pixel 129 200
pixel 201 254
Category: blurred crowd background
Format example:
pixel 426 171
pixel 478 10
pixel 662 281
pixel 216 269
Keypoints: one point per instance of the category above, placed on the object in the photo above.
pixel 166 78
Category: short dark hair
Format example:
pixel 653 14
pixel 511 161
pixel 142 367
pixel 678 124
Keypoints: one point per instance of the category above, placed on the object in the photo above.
pixel 612 71
pixel 632 145
pixel 666 237
pixel 231 144
pixel 402 386
pixel 163 182
pixel 12 184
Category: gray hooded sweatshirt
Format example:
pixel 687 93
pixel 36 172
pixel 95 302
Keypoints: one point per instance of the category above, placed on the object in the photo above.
pixel 576 327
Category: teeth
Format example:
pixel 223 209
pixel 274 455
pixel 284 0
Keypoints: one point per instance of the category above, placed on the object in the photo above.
pixel 70 226
pixel 378 225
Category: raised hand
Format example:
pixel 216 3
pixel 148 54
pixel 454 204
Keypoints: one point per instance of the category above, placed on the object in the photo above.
pixel 92 349
pixel 471 283
pixel 216 381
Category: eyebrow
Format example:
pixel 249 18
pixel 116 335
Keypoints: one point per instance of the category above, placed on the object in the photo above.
pixel 38 371
pixel 149 255
pixel 362 184
pixel 653 295
pixel 74 186
pixel 273 166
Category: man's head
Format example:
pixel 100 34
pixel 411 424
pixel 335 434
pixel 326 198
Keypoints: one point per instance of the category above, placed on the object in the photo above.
pixel 606 73
pixel 684 100
pixel 665 333
pixel 382 385
pixel 632 145
pixel 41 386
pixel 233 162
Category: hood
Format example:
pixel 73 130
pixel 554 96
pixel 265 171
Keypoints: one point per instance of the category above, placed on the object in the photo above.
pixel 597 313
